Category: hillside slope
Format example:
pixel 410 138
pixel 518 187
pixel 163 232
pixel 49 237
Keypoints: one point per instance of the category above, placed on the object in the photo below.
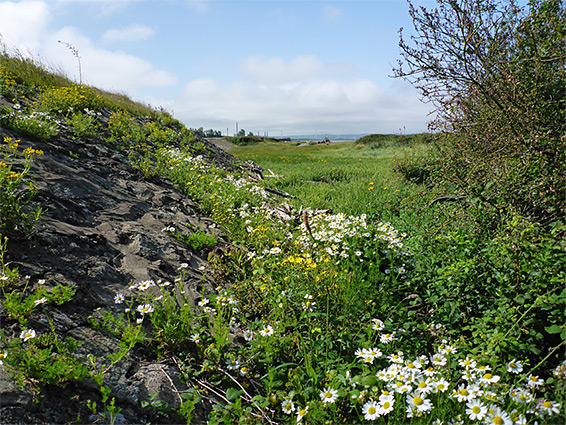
pixel 101 231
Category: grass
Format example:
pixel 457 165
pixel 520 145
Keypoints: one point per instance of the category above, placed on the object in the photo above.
pixel 383 309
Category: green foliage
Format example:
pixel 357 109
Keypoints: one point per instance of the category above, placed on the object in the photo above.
pixel 124 130
pixel 69 100
pixel 245 140
pixel 38 125
pixel 44 360
pixel 496 73
pixel 198 241
pixel 17 188
pixel 379 141
pixel 84 125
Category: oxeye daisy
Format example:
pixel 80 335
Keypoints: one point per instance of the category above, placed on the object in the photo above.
pixel 549 407
pixel 248 335
pixel 489 378
pixel 119 298
pixel 374 353
pixel 467 363
pixel 377 325
pixel 361 353
pixel 371 410
pixel 27 334
pixel 195 337
pixel 423 386
pixel 418 401
pixel 301 412
pixel 266 331
pixel 233 364
pixel 387 338
pixel 497 416
pixel 438 360
pixel 2 357
pixel 462 394
pixel 328 395
pixel 441 385
pixel 534 382
pixel 476 410
pixel 145 308
pixel 514 366
pixel 40 301
pixel 146 284
pixel 396 358
pixel 288 407
pixel 521 395
pixel 386 406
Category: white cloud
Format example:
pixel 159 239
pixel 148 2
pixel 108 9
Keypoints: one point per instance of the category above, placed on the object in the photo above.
pixel 198 5
pixel 23 23
pixel 331 13
pixel 328 104
pixel 111 70
pixel 275 70
pixel 132 33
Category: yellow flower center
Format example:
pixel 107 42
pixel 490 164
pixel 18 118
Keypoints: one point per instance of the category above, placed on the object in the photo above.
pixel 497 420
pixel 476 409
pixel 328 394
pixel 547 404
pixel 418 401
pixel 422 384
pixel 302 412
pixel 488 376
pixel 371 410
pixel 386 405
pixel 385 392
pixel 463 391
pixel 513 365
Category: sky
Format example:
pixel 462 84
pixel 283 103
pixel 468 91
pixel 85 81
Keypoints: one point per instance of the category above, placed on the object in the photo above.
pixel 279 68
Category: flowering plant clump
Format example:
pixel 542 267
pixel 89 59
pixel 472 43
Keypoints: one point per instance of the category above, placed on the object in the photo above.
pixel 17 187
pixel 69 99
pixel 36 124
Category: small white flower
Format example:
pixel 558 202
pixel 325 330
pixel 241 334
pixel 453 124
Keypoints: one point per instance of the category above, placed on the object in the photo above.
pixel 183 266
pixel 288 407
pixel 2 357
pixel 119 298
pixel 195 337
pixel 476 410
pixel 146 284
pixel 301 412
pixel 514 366
pixel 40 301
pixel 371 410
pixel 328 395
pixel 203 302
pixel 27 334
pixel 266 331
pixel 377 325
pixel 41 281
pixel 233 364
pixel 145 308
pixel 248 335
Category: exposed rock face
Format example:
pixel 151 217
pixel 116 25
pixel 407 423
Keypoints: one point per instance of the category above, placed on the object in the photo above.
pixel 101 230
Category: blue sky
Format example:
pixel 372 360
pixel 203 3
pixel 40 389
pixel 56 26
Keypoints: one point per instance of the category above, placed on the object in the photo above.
pixel 278 67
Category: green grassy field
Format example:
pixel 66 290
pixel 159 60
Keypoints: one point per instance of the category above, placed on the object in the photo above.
pixel 344 177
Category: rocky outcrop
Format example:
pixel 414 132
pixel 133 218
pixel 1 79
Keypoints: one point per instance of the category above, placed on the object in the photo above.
pixel 101 230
